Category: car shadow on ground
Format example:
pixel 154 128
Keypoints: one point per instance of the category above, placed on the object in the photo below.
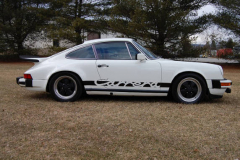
pixel 43 96
pixel 103 98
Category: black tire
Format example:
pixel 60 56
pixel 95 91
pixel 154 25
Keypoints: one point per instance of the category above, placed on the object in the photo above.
pixel 189 88
pixel 65 87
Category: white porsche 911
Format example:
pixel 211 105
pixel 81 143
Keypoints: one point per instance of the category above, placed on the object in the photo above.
pixel 121 66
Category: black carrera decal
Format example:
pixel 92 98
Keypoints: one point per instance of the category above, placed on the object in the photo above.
pixel 87 83
pixel 126 84
pixel 126 90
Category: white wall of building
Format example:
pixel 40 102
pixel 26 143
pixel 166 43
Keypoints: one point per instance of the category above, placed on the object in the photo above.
pixel 41 42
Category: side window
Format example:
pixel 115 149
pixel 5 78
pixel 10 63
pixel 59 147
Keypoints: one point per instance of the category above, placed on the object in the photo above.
pixel 112 50
pixel 133 50
pixel 82 53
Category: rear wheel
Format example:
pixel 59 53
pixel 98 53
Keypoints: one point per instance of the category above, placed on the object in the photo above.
pixel 65 87
pixel 189 88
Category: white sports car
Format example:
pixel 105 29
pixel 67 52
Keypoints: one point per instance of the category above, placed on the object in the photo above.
pixel 121 66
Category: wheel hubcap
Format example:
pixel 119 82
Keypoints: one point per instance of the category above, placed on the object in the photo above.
pixel 65 87
pixel 189 89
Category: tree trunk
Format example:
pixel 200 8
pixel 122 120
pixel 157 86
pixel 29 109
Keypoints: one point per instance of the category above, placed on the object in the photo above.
pixel 78 29
pixel 20 47
pixel 158 45
pixel 79 39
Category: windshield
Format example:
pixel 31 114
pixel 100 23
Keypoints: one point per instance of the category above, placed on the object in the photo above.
pixel 147 52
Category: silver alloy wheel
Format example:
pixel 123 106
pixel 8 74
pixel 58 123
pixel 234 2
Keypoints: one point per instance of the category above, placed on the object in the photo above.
pixel 65 87
pixel 189 89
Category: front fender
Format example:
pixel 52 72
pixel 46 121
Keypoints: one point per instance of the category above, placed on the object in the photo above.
pixel 173 68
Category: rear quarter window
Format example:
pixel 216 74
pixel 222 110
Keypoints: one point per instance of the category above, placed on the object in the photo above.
pixel 82 53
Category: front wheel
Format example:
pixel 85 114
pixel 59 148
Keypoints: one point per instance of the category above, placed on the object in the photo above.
pixel 189 88
pixel 65 87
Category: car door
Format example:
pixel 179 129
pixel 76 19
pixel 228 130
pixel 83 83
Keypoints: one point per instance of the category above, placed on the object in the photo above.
pixel 119 69
pixel 83 62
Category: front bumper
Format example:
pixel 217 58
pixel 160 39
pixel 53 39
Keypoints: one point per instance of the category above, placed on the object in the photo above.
pixel 225 83
pixel 219 87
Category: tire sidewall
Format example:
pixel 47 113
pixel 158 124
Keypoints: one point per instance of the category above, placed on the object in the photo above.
pixel 189 75
pixel 78 82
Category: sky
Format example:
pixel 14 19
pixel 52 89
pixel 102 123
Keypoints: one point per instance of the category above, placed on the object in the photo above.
pixel 207 9
pixel 202 36
pixel 220 33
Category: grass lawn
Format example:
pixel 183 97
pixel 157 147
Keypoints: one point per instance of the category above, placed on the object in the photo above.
pixel 34 126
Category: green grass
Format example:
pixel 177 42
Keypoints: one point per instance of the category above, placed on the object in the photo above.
pixel 34 126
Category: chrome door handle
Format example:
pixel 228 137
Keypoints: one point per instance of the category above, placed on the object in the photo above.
pixel 102 65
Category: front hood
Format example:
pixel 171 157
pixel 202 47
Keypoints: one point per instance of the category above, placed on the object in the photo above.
pixel 184 63
pixel 162 59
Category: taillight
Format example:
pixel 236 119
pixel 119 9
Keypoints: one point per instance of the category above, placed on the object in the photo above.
pixel 27 76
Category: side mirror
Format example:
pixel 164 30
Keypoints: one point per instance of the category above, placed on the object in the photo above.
pixel 141 57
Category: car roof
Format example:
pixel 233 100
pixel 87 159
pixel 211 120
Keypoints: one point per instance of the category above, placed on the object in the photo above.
pixel 107 40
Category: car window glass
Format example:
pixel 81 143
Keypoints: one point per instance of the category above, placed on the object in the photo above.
pixel 147 52
pixel 112 50
pixel 133 51
pixel 82 53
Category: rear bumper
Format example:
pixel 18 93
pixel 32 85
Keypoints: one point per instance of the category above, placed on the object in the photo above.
pixel 24 82
pixel 30 84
